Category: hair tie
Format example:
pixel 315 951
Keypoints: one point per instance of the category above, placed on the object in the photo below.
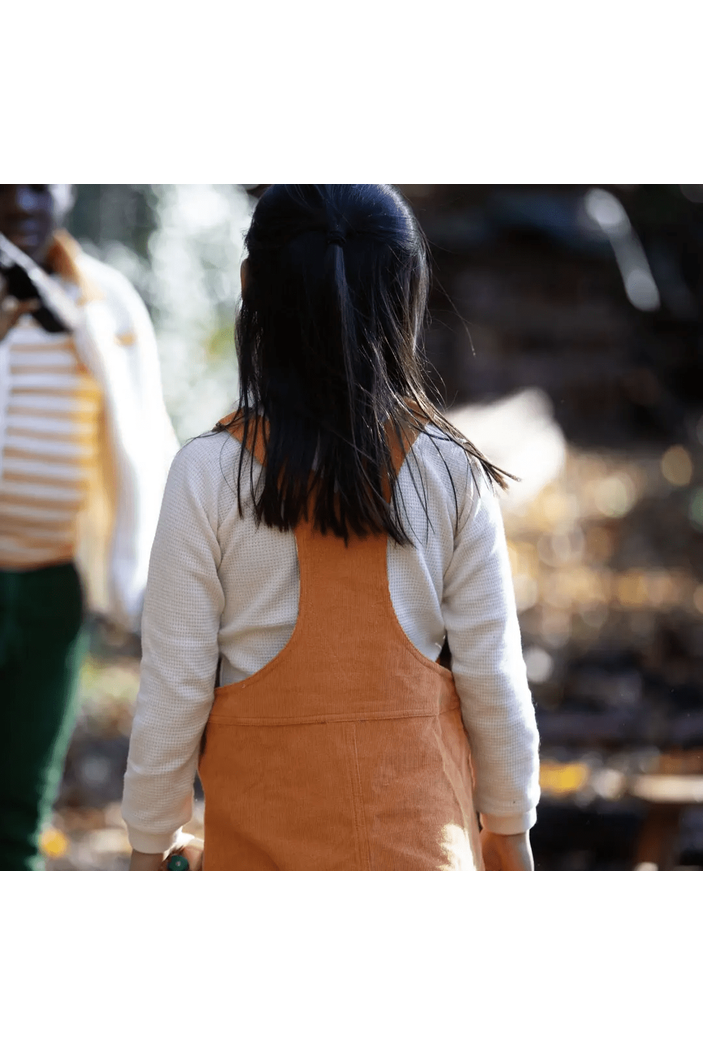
pixel 336 238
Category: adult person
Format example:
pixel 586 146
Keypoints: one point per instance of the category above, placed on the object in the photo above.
pixel 85 445
pixel 313 554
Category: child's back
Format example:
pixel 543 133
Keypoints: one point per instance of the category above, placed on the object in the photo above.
pixel 336 739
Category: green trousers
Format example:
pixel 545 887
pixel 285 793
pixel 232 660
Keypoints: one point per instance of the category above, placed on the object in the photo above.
pixel 41 647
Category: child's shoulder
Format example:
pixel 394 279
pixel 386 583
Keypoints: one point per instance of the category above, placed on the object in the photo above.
pixel 454 469
pixel 437 447
pixel 199 449
pixel 203 457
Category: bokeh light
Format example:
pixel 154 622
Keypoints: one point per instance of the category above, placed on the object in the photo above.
pixel 539 664
pixel 677 467
pixel 615 495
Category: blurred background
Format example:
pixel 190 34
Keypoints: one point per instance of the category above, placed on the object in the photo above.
pixel 567 342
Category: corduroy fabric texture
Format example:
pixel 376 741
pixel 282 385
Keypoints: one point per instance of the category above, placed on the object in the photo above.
pixel 347 751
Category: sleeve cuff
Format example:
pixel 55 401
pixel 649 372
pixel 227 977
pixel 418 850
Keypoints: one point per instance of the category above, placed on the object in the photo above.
pixel 145 843
pixel 515 824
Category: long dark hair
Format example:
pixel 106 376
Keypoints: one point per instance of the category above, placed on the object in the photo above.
pixel 328 339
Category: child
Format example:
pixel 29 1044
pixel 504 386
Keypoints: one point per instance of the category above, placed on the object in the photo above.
pixel 315 553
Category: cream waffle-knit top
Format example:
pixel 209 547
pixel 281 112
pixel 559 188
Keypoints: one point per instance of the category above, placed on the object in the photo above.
pixel 222 601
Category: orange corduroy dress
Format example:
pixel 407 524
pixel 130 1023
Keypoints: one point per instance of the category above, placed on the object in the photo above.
pixel 346 752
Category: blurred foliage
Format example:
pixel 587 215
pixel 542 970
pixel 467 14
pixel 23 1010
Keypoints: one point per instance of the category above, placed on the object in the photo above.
pixel 181 246
pixel 117 214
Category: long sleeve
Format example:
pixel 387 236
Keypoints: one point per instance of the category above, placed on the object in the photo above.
pixel 182 611
pixel 489 671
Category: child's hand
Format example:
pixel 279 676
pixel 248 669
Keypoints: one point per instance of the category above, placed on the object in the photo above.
pixel 188 846
pixel 506 853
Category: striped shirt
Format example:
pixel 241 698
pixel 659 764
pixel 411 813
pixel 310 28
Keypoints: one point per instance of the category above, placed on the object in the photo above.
pixel 50 412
